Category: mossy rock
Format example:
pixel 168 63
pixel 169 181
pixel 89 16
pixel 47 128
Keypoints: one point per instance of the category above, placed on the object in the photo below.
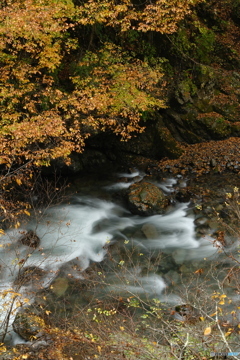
pixel 166 143
pixel 207 126
pixel 185 91
pixel 203 105
pixel 146 199
pixel 218 127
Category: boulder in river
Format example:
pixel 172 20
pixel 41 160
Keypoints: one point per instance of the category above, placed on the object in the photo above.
pixel 28 324
pixel 60 286
pixel 30 275
pixel 146 199
pixel 150 231
pixel 30 239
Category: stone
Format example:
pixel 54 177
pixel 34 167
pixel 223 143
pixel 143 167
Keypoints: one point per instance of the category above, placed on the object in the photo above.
pixel 150 231
pixel 28 324
pixel 30 239
pixel 201 220
pixel 60 286
pixel 172 277
pixel 146 199
pixel 183 196
pixel 187 313
pixel 29 275
pixel 186 269
pixel 179 256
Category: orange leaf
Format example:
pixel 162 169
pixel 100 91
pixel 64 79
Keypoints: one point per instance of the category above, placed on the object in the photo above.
pixel 199 271
pixel 207 331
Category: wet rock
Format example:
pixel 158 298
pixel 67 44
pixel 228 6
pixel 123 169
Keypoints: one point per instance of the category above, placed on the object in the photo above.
pixel 164 263
pixel 123 180
pixel 138 236
pixel 30 239
pixel 186 313
pixel 186 269
pixel 200 220
pixel 208 210
pixel 28 323
pixel 183 196
pixel 179 256
pixel 213 223
pixel 132 170
pixel 60 286
pixel 172 277
pixel 137 178
pixel 146 199
pixel 150 231
pixel 30 275
pixel 202 230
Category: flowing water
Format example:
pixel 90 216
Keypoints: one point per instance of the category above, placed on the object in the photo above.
pixel 80 231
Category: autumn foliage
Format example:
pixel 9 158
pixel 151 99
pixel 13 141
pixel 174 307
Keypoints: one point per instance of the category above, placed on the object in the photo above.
pixel 33 44
pixel 57 88
pixel 161 15
pixel 68 71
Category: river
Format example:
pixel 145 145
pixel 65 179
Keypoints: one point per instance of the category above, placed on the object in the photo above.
pixel 155 253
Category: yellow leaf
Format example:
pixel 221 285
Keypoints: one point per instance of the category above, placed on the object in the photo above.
pixel 27 212
pixel 223 296
pixel 199 271
pixel 18 181
pixel 99 349
pixel 213 314
pixel 121 328
pixel 222 302
pixel 14 294
pixel 24 356
pixel 207 331
pixel 48 312
pixel 2 231
pixel 201 318
pixel 17 225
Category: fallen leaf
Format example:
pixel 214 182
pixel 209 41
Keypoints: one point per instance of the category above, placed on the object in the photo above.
pixel 207 331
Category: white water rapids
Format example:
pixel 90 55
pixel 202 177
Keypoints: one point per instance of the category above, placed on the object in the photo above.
pixel 79 233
